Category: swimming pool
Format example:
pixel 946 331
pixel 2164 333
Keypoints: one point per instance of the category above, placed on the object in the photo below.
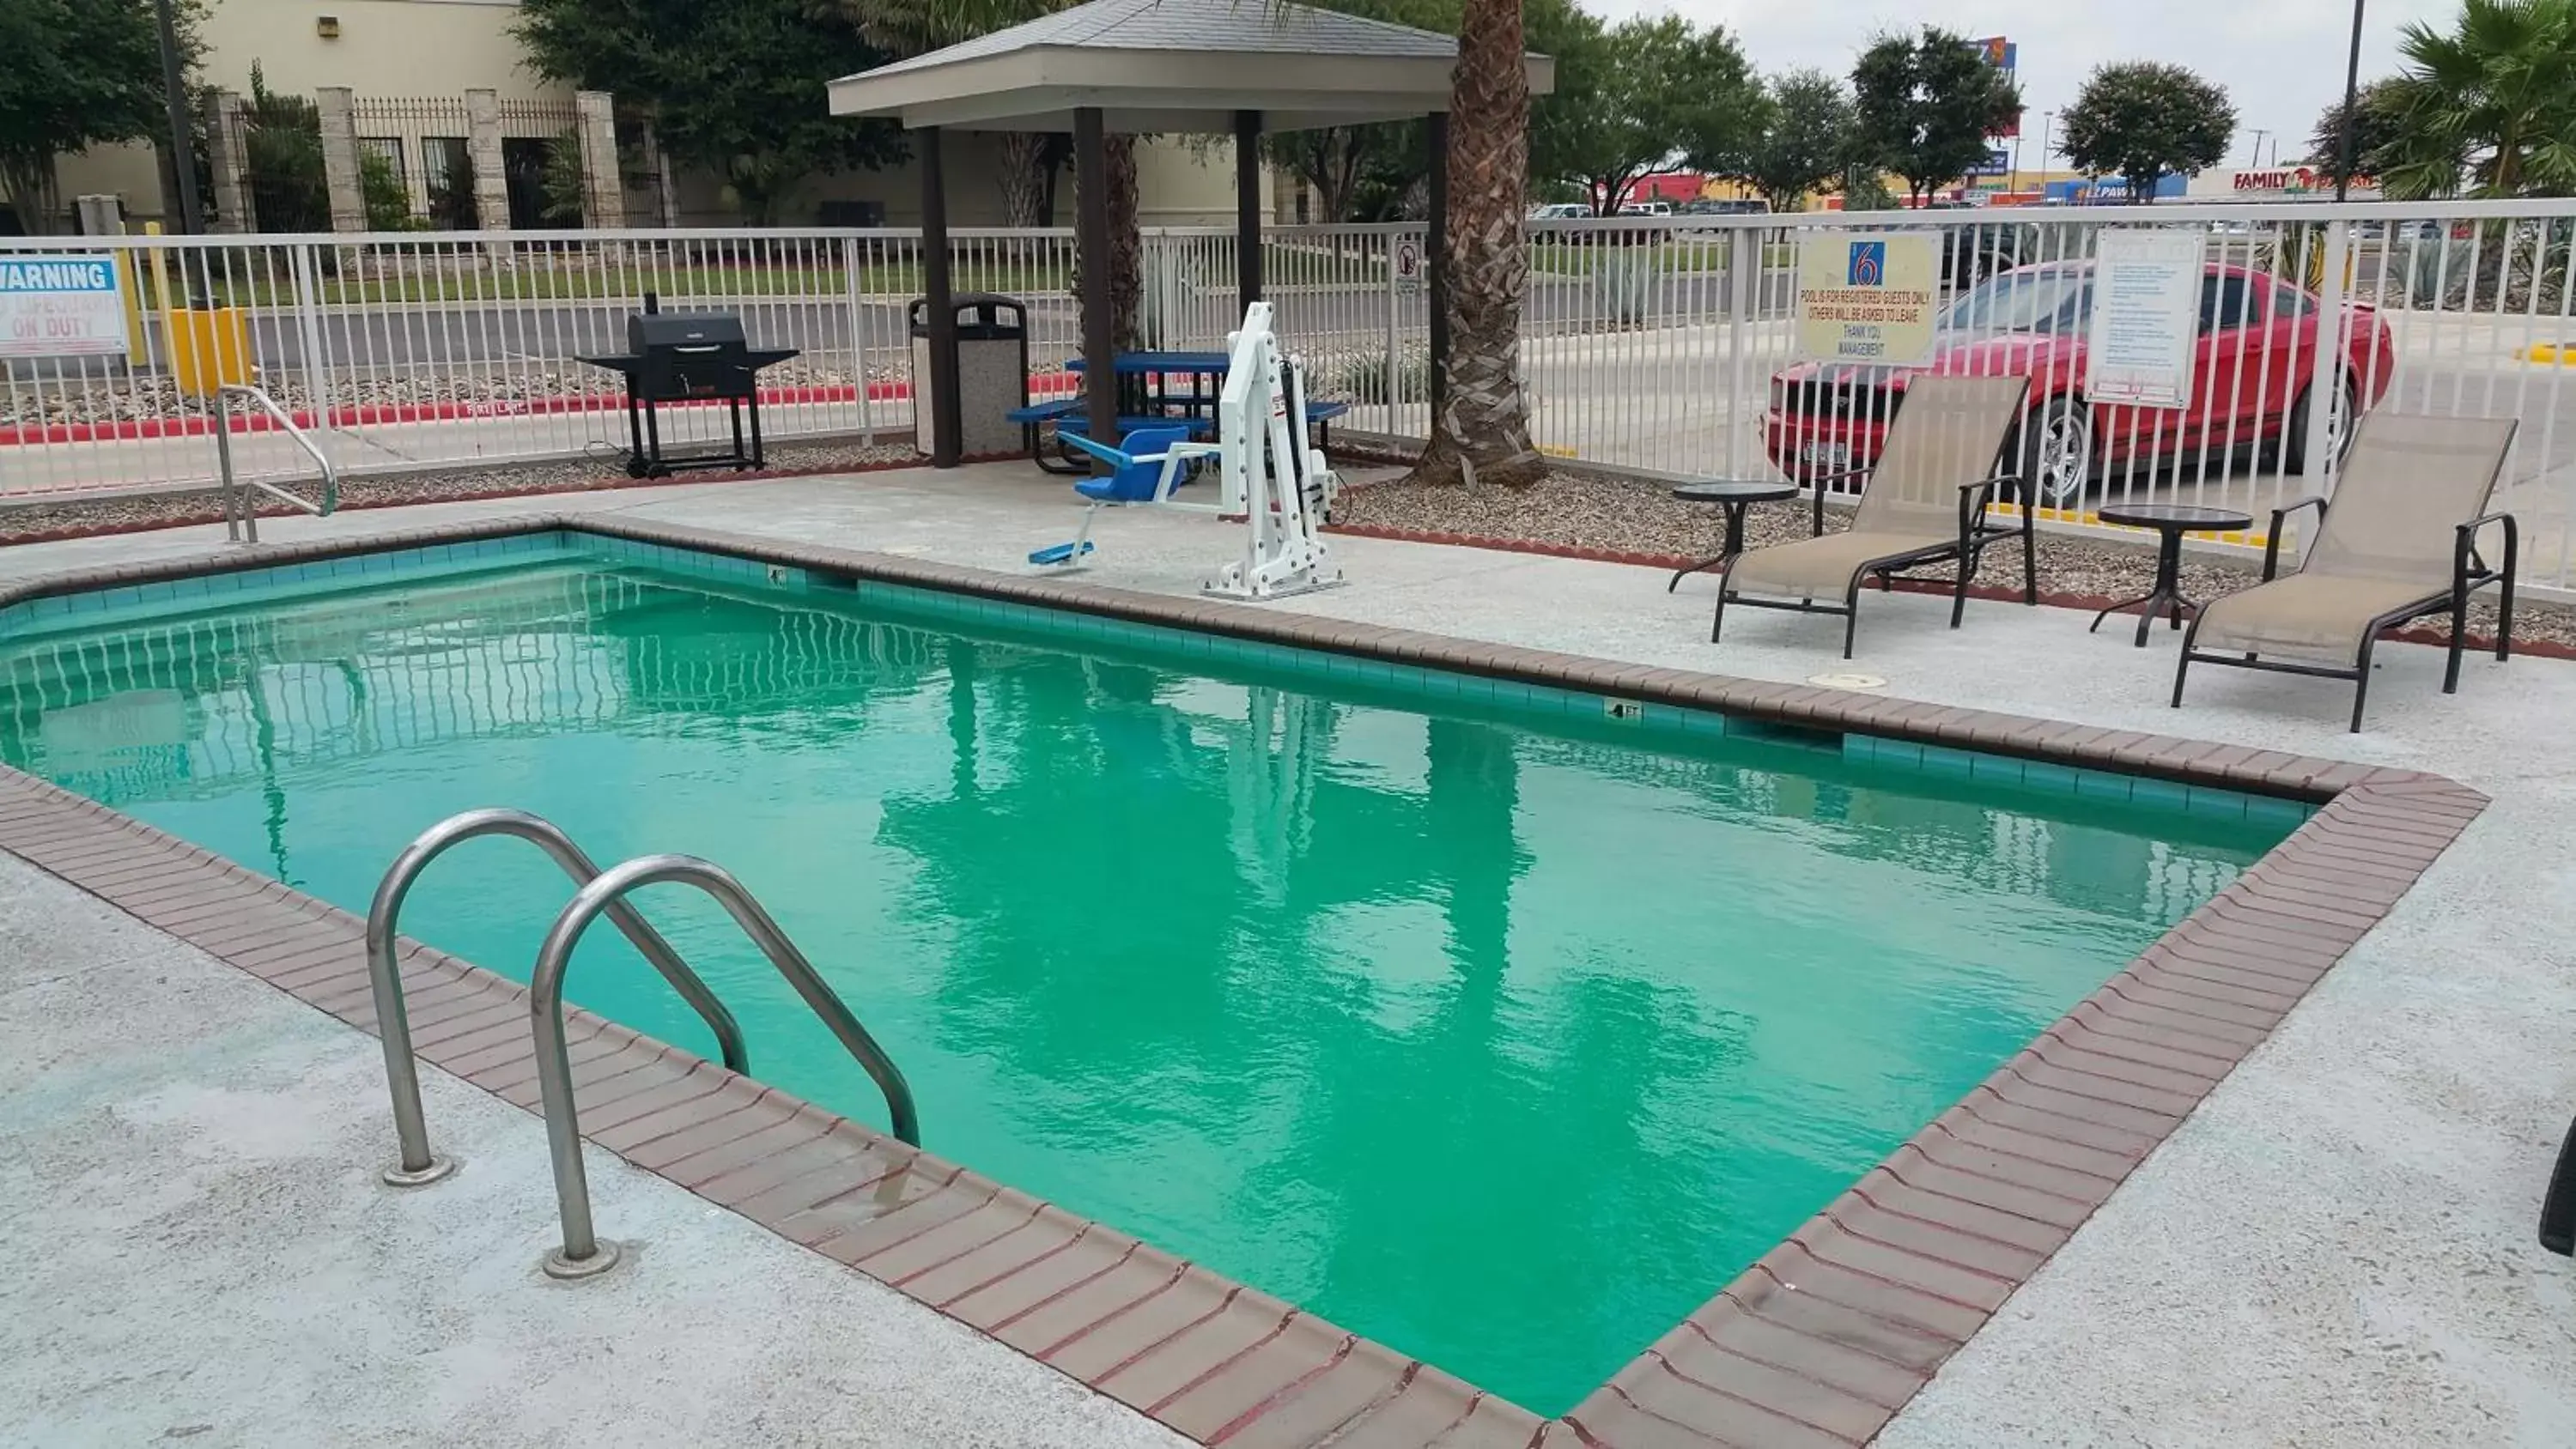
pixel 1494 1028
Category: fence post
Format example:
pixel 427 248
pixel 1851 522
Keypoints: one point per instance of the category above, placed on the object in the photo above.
pixel 2325 374
pixel 225 139
pixel 603 190
pixel 1394 349
pixel 483 152
pixel 852 288
pixel 308 331
pixel 340 157
pixel 1743 285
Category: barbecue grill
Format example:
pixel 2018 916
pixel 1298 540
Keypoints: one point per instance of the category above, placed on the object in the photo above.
pixel 688 357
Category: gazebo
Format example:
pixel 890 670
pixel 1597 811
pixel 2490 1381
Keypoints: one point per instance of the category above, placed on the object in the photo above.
pixel 1158 67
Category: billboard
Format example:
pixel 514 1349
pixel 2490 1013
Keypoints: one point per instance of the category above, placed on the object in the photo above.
pixel 2004 56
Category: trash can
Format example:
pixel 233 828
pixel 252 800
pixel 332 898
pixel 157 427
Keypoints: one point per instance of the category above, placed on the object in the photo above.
pixel 992 371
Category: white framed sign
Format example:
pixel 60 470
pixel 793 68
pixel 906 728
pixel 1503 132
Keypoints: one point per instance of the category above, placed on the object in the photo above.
pixel 59 304
pixel 1868 297
pixel 2145 332
pixel 1404 264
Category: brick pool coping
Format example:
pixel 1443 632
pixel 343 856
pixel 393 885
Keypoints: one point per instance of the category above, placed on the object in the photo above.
pixel 1819 1343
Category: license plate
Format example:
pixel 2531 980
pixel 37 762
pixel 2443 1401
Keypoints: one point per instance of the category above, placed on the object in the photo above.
pixel 1829 455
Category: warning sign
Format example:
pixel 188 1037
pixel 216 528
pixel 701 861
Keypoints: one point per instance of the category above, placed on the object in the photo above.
pixel 1868 297
pixel 1404 264
pixel 52 305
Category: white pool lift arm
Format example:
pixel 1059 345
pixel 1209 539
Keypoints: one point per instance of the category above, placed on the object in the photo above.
pixel 1269 473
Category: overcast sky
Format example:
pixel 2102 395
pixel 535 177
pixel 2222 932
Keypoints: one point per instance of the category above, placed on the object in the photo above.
pixel 2282 61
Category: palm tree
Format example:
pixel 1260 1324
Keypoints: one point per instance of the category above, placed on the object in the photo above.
pixel 1480 432
pixel 2489 107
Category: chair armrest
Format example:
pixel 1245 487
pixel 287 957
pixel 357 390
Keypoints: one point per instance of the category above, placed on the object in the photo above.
pixel 2280 515
pixel 1974 496
pixel 1096 448
pixel 2465 550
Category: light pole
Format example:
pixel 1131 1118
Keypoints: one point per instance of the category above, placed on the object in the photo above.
pixel 2046 120
pixel 2259 134
pixel 2351 105
pixel 174 90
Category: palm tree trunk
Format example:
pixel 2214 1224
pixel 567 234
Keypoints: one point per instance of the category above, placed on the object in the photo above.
pixel 1024 165
pixel 1126 246
pixel 1481 431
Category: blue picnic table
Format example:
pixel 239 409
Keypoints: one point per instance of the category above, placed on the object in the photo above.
pixel 1145 399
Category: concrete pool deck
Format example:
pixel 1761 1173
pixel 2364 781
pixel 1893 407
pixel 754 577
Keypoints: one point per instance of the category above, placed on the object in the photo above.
pixel 2335 1248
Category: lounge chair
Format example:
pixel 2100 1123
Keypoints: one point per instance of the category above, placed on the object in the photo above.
pixel 2400 542
pixel 1925 501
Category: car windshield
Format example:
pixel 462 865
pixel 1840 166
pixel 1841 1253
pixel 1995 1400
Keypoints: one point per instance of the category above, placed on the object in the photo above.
pixel 2048 302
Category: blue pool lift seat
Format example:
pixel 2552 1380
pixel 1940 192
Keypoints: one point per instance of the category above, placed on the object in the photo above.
pixel 1149 463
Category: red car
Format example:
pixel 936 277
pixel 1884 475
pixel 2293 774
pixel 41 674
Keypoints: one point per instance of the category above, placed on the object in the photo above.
pixel 2258 337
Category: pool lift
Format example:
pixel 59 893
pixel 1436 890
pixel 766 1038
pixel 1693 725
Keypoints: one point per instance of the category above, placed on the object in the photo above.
pixel 1267 474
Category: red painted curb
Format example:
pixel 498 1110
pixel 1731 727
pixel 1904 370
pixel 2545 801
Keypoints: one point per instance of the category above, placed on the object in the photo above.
pixel 2088 603
pixel 349 415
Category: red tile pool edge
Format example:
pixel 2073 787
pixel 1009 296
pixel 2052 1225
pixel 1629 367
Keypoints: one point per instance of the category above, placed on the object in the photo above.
pixel 1820 1342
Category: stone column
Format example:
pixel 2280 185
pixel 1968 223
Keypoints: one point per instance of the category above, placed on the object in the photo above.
pixel 226 154
pixel 603 189
pixel 340 157
pixel 483 149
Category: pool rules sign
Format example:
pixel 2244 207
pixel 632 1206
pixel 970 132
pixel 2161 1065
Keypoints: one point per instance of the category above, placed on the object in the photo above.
pixel 62 304
pixel 2145 329
pixel 1868 297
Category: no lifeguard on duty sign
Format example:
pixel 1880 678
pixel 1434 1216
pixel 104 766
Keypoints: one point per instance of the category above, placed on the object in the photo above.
pixel 60 304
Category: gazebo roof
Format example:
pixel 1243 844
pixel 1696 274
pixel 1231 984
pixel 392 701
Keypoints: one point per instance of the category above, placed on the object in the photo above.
pixel 1171 66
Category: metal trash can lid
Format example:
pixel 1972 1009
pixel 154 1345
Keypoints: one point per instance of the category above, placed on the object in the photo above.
pixel 980 317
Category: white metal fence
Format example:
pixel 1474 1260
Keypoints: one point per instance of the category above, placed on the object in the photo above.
pixel 1665 345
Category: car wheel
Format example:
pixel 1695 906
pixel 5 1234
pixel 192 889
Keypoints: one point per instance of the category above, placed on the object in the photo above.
pixel 2294 441
pixel 2057 452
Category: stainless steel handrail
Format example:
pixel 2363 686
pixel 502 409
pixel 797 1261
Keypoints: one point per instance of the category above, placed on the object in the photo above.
pixel 417 1166
pixel 582 1253
pixel 239 516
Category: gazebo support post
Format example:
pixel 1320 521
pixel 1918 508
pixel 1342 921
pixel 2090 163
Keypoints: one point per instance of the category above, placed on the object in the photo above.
pixel 947 426
pixel 1247 209
pixel 1091 243
pixel 1436 133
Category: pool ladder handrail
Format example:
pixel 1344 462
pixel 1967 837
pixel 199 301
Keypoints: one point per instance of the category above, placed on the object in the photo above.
pixel 240 516
pixel 583 1254
pixel 417 1166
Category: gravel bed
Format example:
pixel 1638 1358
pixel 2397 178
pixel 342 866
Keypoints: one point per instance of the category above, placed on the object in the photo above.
pixel 103 397
pixel 569 475
pixel 1632 516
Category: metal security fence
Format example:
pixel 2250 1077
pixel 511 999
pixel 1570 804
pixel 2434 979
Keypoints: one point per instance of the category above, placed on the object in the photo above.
pixel 1666 345
pixel 1672 347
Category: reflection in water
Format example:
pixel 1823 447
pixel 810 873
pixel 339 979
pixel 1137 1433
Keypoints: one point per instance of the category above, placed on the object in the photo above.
pixel 1507 1048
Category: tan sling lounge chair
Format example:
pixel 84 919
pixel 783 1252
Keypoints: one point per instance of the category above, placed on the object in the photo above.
pixel 2400 542
pixel 1925 501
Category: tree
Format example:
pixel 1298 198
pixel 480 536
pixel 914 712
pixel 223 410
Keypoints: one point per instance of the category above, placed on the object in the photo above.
pixel 2379 128
pixel 1925 106
pixel 2144 120
pixel 282 160
pixel 1801 141
pixel 1864 189
pixel 1635 96
pixel 1480 430
pixel 735 86
pixel 2488 108
pixel 80 73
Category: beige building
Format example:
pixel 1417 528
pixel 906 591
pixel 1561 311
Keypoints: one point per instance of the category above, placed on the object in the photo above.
pixel 410 64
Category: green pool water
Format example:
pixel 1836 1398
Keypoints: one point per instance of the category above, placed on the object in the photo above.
pixel 1503 1037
